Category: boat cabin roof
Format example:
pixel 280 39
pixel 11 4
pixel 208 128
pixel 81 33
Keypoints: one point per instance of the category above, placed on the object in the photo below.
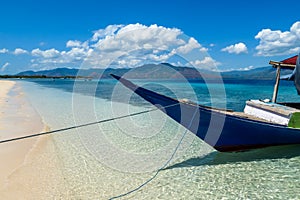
pixel 289 63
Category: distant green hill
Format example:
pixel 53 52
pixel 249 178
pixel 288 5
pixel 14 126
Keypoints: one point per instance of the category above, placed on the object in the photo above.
pixel 159 71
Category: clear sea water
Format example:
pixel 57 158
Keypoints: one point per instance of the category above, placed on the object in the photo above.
pixel 108 159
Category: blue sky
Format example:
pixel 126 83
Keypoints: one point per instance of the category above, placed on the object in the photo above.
pixel 38 35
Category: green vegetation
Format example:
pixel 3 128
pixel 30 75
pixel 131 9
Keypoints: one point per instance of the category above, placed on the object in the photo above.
pixel 294 120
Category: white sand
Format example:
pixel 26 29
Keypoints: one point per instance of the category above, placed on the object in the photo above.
pixel 28 167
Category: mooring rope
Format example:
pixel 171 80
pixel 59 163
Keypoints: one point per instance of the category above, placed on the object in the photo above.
pixel 112 119
pixel 83 125
pixel 161 168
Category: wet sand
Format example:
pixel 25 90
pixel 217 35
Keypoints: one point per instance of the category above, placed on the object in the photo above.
pixel 29 168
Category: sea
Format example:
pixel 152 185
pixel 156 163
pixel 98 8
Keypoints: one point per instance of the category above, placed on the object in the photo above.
pixel 148 155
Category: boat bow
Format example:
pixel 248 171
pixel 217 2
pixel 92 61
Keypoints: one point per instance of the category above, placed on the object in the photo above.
pixel 220 129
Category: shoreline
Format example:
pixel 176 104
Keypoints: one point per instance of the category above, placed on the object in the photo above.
pixel 19 118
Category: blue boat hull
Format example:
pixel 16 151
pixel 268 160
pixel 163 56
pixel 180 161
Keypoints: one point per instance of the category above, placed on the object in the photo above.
pixel 224 132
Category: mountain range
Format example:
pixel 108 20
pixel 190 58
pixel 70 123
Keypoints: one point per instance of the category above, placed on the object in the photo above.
pixel 159 71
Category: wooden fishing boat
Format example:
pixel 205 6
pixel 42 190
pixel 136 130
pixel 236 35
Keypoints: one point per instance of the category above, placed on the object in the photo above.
pixel 262 124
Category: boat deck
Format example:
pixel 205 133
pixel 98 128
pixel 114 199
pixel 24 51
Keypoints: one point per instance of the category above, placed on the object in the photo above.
pixel 244 116
pixel 266 112
pixel 275 108
pixel 228 112
pixel 259 111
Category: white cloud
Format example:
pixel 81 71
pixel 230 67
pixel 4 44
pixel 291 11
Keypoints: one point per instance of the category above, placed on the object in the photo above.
pixel 207 63
pixel 74 54
pixel 203 49
pixel 3 68
pixel 248 68
pixel 244 69
pixel 238 69
pixel 19 51
pixel 50 53
pixel 236 48
pixel 42 44
pixel 76 43
pixel 3 50
pixel 191 45
pixel 56 57
pixel 276 42
pixel 160 57
pixel 154 44
pixel 108 31
pixel 138 36
pixel 127 46
pixel 73 43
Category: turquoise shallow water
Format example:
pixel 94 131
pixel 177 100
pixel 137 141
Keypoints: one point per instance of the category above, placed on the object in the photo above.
pixel 109 159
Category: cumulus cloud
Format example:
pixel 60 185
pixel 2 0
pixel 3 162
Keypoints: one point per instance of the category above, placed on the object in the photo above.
pixel 76 43
pixel 239 69
pixel 154 43
pixel 74 54
pixel 236 48
pixel 206 63
pixel 163 57
pixel 73 43
pixel 55 56
pixel 129 45
pixel 3 50
pixel 191 45
pixel 19 51
pixel 3 68
pixel 50 53
pixel 108 31
pixel 138 36
pixel 277 42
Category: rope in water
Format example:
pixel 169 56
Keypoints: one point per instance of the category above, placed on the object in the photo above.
pixel 161 168
pixel 82 125
pixel 111 119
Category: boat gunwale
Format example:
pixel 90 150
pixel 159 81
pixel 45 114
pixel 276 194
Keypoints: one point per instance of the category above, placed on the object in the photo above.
pixel 212 110
pixel 232 115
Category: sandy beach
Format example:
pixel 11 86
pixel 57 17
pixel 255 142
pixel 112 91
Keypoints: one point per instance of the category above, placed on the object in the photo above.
pixel 27 166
